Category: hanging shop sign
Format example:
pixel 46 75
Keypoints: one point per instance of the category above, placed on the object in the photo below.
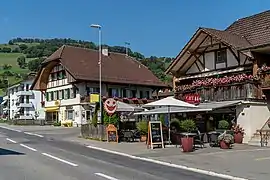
pixel 192 98
pixel 110 106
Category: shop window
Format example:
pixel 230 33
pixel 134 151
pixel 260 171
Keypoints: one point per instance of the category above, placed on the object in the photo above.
pixel 141 94
pixel 133 93
pixel 70 114
pixel 147 95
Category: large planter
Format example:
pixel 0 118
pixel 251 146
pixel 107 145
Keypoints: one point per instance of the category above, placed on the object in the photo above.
pixel 143 138
pixel 238 138
pixel 224 145
pixel 187 144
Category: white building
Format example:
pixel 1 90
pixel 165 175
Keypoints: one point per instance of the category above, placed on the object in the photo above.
pixel 70 75
pixel 21 103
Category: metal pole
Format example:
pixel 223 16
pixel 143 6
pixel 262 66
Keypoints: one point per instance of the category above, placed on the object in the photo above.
pixel 100 74
pixel 8 100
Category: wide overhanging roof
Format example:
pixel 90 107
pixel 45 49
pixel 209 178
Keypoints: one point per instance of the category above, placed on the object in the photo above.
pixel 203 107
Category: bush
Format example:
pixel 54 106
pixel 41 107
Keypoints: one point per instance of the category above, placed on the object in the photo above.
pixel 188 125
pixel 57 123
pixel 223 124
pixel 176 123
pixel 142 126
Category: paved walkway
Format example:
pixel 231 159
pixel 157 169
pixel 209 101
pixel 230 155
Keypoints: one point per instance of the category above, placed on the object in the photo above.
pixel 244 161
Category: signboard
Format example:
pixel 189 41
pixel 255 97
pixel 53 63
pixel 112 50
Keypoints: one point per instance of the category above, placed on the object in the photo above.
pixel 155 135
pixel 94 98
pixel 112 135
pixel 110 106
pixel 192 98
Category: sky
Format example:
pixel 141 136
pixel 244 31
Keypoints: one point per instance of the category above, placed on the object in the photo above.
pixel 152 27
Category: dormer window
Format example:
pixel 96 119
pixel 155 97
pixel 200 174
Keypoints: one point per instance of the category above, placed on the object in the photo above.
pixel 221 56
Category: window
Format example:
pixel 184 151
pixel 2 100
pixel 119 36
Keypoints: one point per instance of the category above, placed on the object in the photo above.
pixel 47 96
pixel 60 96
pixel 27 87
pixel 54 76
pixel 221 56
pixel 133 93
pixel 70 114
pixel 141 94
pixel 113 92
pixel 73 92
pixel 124 93
pixel 67 94
pixel 52 97
pixel 55 95
pixel 147 95
pixel 27 99
pixel 27 111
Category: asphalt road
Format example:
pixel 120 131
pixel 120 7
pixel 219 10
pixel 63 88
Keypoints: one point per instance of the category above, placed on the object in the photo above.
pixel 30 157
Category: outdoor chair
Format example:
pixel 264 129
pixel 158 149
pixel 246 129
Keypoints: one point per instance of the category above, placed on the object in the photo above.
pixel 128 136
pixel 198 139
pixel 213 141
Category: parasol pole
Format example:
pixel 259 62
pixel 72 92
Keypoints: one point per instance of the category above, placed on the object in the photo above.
pixel 169 126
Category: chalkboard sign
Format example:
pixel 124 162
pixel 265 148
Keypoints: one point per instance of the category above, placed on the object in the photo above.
pixel 155 135
pixel 112 135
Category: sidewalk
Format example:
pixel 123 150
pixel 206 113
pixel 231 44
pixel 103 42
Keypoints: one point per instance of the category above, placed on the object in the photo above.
pixel 243 161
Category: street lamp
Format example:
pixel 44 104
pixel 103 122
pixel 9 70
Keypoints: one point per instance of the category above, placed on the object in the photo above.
pixel 96 26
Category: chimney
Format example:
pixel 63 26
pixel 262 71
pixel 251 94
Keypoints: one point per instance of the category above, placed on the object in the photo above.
pixel 105 51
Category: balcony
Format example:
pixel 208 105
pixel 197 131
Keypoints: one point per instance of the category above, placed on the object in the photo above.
pixel 24 93
pixel 26 117
pixel 24 105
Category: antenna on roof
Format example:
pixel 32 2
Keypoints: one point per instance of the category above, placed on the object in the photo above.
pixel 126 46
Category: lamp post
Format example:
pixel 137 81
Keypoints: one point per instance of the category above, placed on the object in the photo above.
pixel 97 26
pixel 126 46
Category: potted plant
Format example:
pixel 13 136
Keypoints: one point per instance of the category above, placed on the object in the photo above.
pixel 187 126
pixel 238 134
pixel 223 124
pixel 142 126
pixel 225 140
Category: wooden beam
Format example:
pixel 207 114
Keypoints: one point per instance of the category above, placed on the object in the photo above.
pixel 246 60
pixel 237 58
pixel 197 66
pixel 238 54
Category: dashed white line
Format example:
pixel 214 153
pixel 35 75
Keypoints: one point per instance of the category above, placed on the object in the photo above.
pixel 10 129
pixel 33 134
pixel 32 149
pixel 105 176
pixel 59 159
pixel 10 140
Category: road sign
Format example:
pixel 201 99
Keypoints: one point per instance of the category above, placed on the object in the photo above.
pixel 110 106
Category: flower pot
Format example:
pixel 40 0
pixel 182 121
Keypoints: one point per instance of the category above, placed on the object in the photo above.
pixel 143 138
pixel 238 138
pixel 224 145
pixel 187 144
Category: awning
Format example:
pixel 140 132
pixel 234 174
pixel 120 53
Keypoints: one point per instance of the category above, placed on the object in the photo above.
pixel 4 102
pixel 124 107
pixel 52 109
pixel 203 107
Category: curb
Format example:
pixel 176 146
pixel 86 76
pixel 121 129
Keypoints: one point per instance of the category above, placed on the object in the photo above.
pixel 196 170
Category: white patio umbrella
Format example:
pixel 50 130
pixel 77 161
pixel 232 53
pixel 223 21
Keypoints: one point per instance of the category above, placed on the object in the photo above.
pixel 169 102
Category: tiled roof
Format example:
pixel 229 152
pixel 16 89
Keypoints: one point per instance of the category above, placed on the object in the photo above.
pixel 255 28
pixel 116 68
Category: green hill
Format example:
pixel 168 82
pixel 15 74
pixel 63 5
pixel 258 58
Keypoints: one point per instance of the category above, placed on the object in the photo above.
pixel 33 51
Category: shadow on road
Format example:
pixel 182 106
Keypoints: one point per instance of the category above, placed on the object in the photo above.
pixel 9 152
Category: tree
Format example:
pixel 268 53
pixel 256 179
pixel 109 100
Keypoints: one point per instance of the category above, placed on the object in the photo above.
pixel 7 66
pixel 35 64
pixel 21 62
pixel 6 50
pixel 23 47
pixel 16 50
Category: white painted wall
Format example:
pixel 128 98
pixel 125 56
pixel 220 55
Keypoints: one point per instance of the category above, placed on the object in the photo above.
pixel 210 62
pixel 252 117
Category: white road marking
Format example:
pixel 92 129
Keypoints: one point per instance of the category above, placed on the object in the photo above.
pixel 105 176
pixel 263 158
pixel 10 140
pixel 32 149
pixel 59 159
pixel 235 151
pixel 10 129
pixel 33 134
pixel 196 170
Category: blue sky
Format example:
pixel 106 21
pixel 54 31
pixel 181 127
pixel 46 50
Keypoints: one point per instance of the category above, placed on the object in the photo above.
pixel 153 27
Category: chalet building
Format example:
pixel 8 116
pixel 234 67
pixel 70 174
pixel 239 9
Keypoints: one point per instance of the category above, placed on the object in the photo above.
pixel 69 80
pixel 228 66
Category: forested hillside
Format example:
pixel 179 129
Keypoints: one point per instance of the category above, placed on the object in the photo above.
pixel 21 56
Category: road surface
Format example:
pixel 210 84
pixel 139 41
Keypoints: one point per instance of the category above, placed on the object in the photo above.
pixel 32 156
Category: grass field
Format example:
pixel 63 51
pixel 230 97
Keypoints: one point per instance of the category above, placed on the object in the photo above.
pixel 11 58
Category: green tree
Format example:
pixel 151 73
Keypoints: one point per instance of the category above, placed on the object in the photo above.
pixel 23 47
pixel 35 64
pixel 7 66
pixel 21 62
pixel 6 50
